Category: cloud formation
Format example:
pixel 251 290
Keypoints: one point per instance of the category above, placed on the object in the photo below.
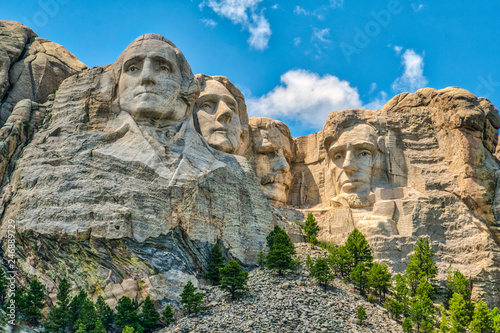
pixel 413 77
pixel 209 22
pixel 305 97
pixel 246 14
pixel 321 35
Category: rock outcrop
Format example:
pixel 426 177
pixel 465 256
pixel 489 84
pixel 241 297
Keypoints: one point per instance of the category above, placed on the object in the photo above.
pixel 432 173
pixel 30 67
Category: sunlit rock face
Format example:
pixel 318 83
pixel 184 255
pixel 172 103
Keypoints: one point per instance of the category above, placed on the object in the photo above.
pixel 119 192
pixel 422 166
pixel 220 114
pixel 270 154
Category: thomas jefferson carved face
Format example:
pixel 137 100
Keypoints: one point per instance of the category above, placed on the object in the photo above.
pixel 353 156
pixel 150 82
pixel 217 112
pixel 271 153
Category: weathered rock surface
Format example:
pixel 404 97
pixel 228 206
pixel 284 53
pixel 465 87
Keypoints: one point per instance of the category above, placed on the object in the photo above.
pixel 124 208
pixel 293 303
pixel 435 176
pixel 30 67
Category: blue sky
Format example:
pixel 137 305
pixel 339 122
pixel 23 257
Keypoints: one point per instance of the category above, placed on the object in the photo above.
pixel 294 60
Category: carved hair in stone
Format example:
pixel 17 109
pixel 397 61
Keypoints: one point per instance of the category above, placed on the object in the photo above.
pixel 271 151
pixel 220 114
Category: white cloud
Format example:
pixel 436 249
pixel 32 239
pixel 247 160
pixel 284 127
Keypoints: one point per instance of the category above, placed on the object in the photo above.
pixel 297 41
pixel 373 87
pixel 209 22
pixel 413 76
pixel 336 3
pixel 377 102
pixel 398 49
pixel 417 7
pixel 321 35
pixel 275 6
pixel 246 14
pixel 305 97
pixel 299 10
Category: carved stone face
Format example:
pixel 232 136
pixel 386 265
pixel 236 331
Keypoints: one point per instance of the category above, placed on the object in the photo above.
pixel 217 112
pixel 270 158
pixel 353 156
pixel 150 82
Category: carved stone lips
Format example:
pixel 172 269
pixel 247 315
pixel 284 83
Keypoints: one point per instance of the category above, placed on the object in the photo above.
pixel 146 92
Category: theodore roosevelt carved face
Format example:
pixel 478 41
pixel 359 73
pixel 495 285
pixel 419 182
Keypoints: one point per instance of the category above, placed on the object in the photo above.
pixel 270 156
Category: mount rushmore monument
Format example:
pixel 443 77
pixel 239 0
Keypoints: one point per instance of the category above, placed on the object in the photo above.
pixel 124 178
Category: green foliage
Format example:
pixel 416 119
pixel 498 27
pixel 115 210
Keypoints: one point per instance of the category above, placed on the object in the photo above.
pixel 359 277
pixel 495 317
pixel 215 261
pixel 20 298
pixel 192 300
pixel 3 286
pixel 59 316
pixel 422 310
pixel 34 302
pixel 168 315
pixel 361 314
pixel 379 278
pixel 482 322
pixel 407 325
pixel 82 328
pixel 99 327
pixel 104 313
pixel 75 308
pixel 359 248
pixel 270 237
pixel 311 228
pixel 233 278
pixel 149 316
pixel 261 259
pixel 128 329
pixel 459 315
pixel 340 260
pixel 399 304
pixel 458 284
pixel 371 299
pixel 421 265
pixel 88 315
pixel 444 326
pixel 126 314
pixel 321 271
pixel 309 262
pixel 281 251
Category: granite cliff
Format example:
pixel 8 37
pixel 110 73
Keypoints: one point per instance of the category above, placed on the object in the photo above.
pixel 125 178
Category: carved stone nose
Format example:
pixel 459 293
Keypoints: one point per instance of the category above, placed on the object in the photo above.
pixel 224 113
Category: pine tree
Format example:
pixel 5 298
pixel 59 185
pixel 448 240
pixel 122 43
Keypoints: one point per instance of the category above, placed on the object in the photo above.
pixel 168 315
pixel 309 262
pixel 311 228
pixel 379 278
pixel 192 300
pixel 399 304
pixel 421 265
pixel 128 329
pixel 359 277
pixel 75 308
pixel 149 317
pixel 341 261
pixel 261 259
pixel 88 315
pixel 407 325
pixel 444 326
pixel 99 327
pixel 34 302
pixel 321 272
pixel 361 314
pixel 233 278
pixel 127 314
pixel 459 284
pixel 495 317
pixel 359 248
pixel 59 316
pixel 270 237
pixel 459 315
pixel 215 261
pixel 281 251
pixel 20 299
pixel 82 328
pixel 482 321
pixel 422 310
pixel 3 286
pixel 104 313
